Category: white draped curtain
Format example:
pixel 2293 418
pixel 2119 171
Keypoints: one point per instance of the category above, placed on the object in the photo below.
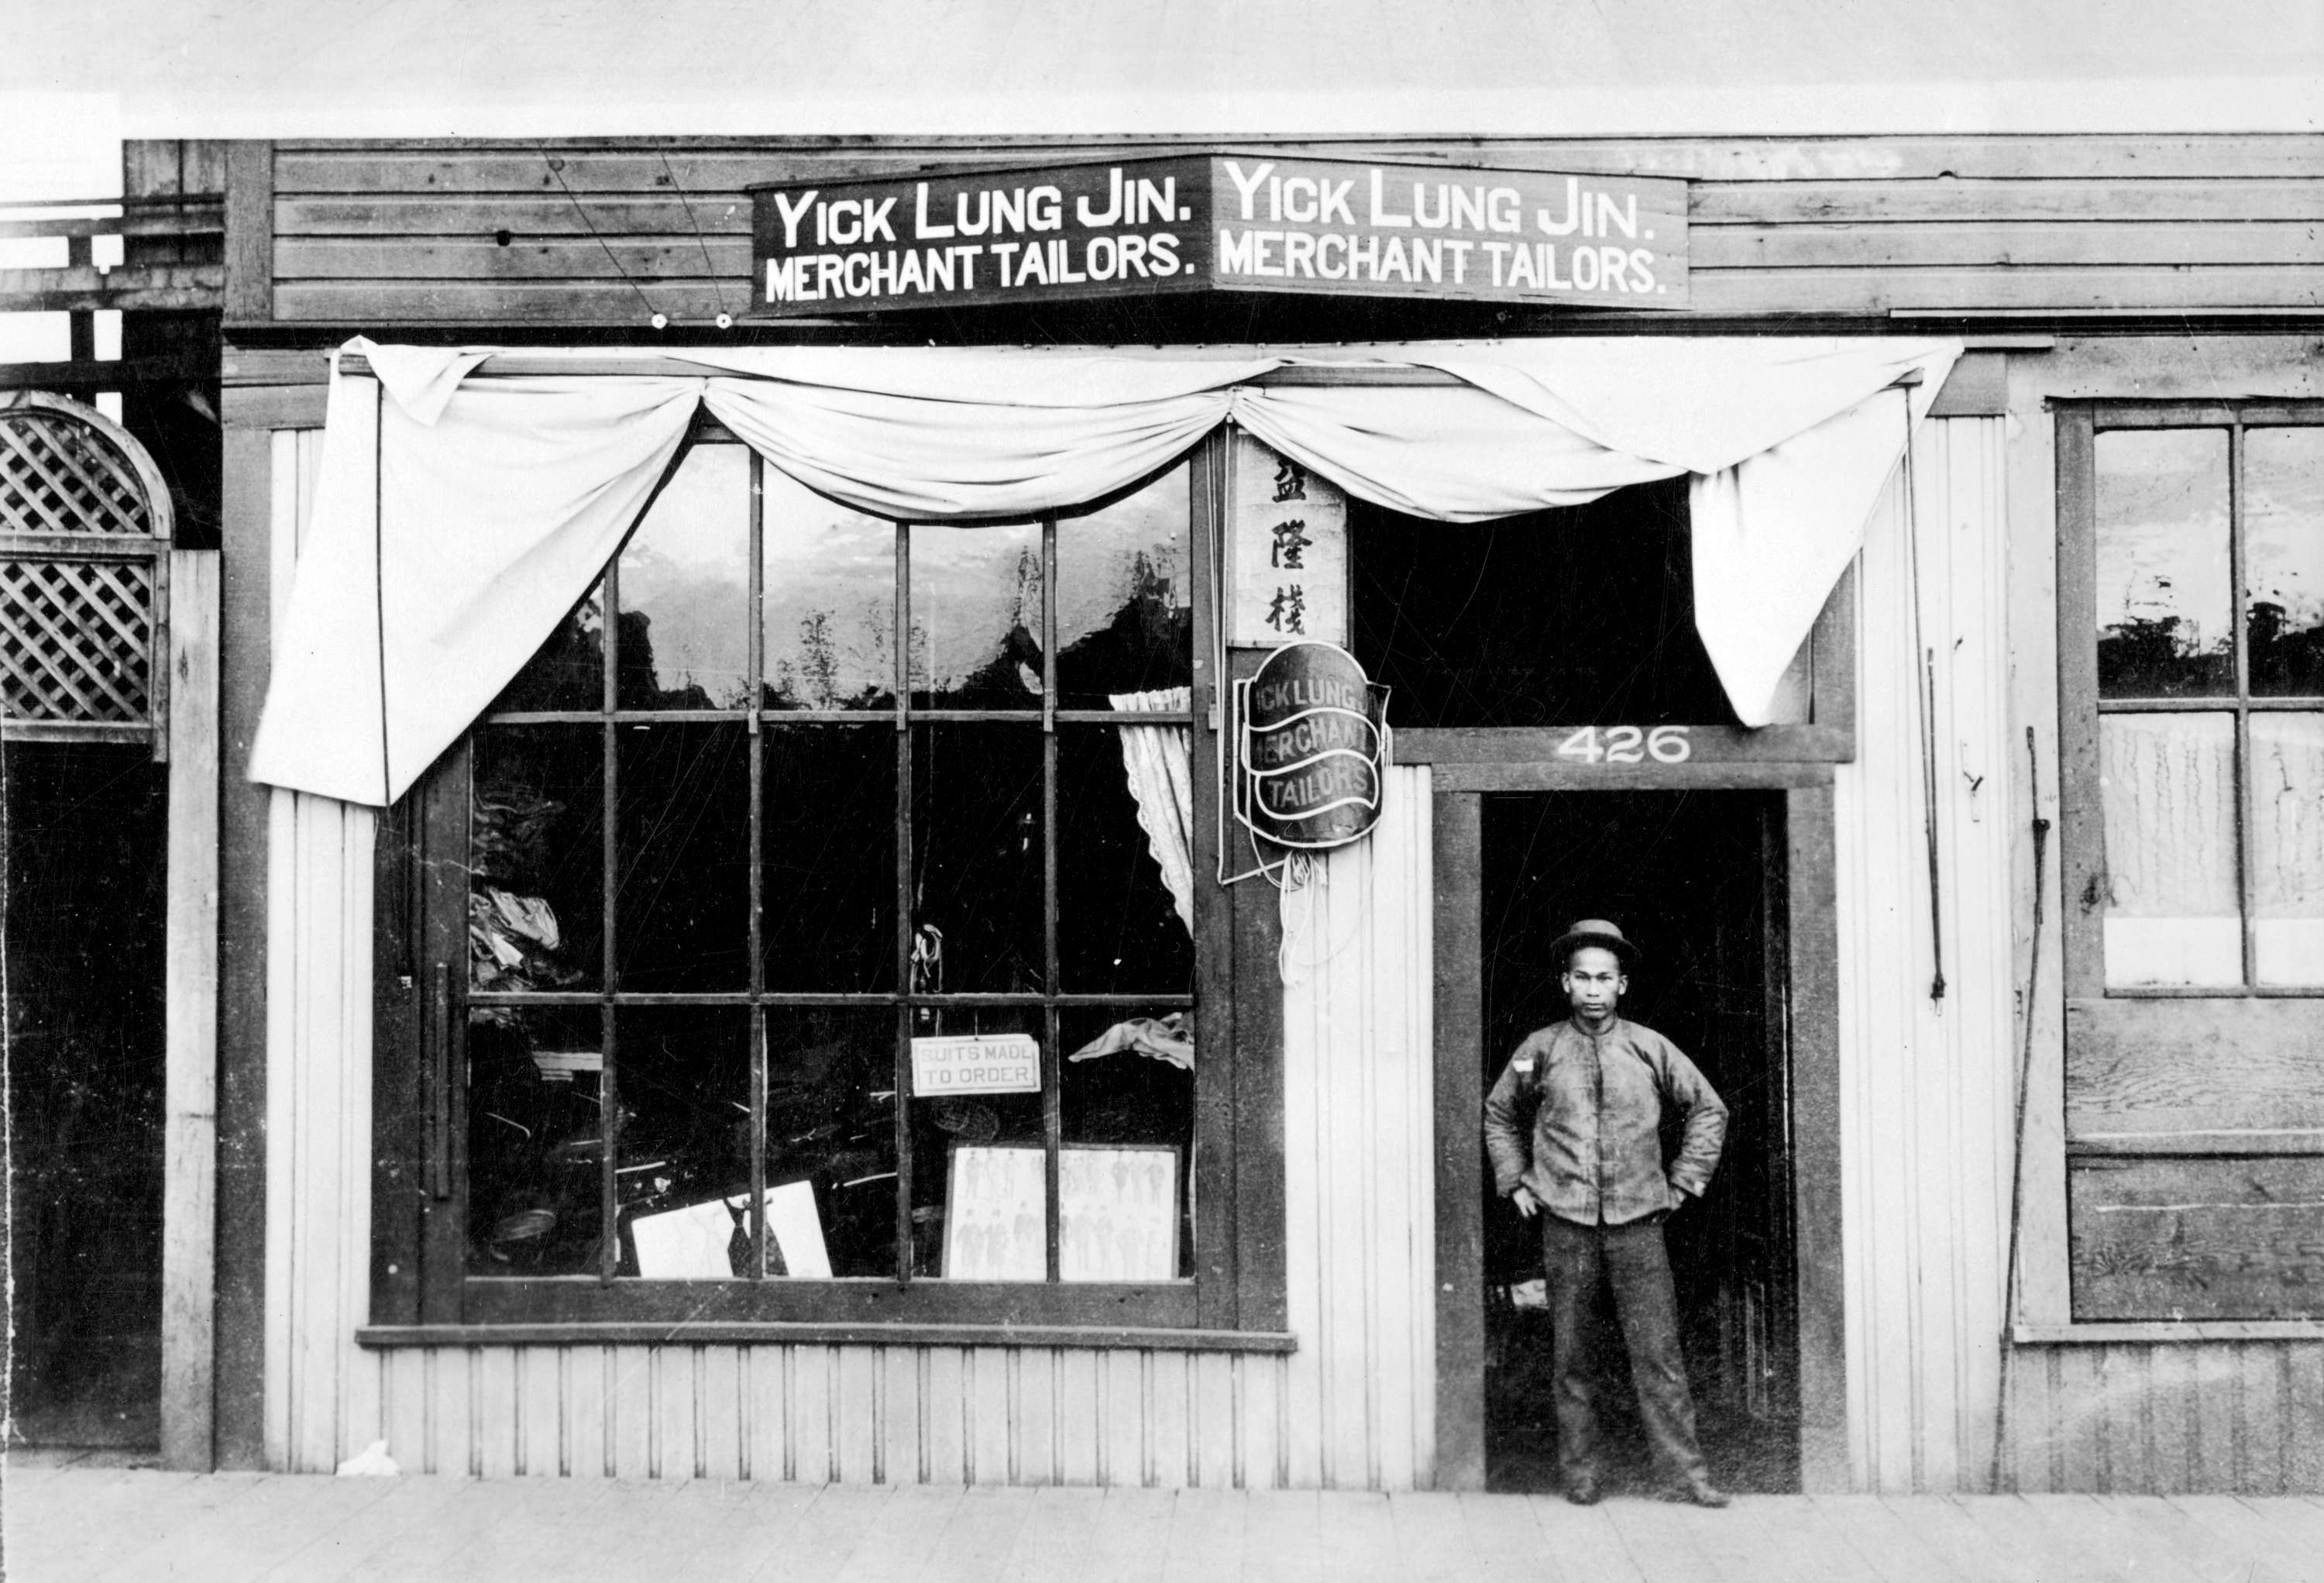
pixel 460 517
pixel 1159 762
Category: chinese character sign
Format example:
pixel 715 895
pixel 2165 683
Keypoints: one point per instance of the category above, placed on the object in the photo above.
pixel 1287 552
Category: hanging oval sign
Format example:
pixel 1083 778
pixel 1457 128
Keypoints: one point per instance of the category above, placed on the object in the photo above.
pixel 1312 748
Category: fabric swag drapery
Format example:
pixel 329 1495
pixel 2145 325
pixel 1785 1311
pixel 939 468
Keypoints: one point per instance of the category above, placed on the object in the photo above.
pixel 459 516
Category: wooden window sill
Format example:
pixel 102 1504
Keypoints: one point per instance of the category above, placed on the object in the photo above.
pixel 2167 1332
pixel 735 1333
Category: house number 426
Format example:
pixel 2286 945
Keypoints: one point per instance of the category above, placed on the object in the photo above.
pixel 1628 745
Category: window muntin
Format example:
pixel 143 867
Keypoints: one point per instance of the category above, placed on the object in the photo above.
pixel 790 901
pixel 2212 878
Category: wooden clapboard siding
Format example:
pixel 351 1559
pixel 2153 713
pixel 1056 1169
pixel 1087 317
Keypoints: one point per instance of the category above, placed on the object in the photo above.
pixel 613 232
pixel 2196 1238
pixel 1926 1088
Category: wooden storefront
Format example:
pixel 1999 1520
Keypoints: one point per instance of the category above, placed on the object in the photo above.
pixel 1338 1335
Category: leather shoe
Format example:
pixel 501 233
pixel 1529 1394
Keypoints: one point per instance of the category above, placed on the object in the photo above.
pixel 1694 1490
pixel 1583 1489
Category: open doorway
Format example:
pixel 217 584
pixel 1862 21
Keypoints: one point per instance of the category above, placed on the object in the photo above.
pixel 1698 879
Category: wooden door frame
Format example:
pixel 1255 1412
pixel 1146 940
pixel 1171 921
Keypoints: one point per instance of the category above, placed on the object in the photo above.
pixel 1815 1036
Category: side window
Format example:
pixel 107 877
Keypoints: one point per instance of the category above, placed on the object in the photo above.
pixel 831 917
pixel 2191 632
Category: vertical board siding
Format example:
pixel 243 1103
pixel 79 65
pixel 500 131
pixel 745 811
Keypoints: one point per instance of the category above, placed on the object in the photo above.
pixel 2165 1417
pixel 1927 1087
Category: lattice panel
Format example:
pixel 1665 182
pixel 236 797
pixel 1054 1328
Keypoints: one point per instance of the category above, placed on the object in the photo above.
pixel 59 476
pixel 76 636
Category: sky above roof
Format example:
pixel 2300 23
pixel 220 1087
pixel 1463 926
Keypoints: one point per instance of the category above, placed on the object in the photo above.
pixel 527 67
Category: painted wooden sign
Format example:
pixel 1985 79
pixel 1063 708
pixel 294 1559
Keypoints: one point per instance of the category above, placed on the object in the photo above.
pixel 1239 223
pixel 1312 750
pixel 1286 551
pixel 976 1063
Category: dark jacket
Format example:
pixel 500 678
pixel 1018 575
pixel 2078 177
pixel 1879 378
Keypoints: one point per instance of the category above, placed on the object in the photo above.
pixel 1597 1102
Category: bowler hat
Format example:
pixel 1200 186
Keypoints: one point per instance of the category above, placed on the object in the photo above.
pixel 1595 932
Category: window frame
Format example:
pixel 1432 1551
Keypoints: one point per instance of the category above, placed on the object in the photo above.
pixel 421 1291
pixel 2114 1118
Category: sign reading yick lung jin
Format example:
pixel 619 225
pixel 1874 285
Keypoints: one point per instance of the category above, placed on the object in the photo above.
pixel 1311 750
pixel 1236 222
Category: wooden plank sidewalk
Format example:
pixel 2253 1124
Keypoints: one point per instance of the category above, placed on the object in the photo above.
pixel 68 1521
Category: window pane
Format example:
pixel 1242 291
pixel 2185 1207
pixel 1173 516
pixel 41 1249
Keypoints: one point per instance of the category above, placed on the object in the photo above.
pixel 1125 604
pixel 976 617
pixel 2163 567
pixel 831 1123
pixel 534 1140
pixel 1127 1091
pixel 1120 930
pixel 829 587
pixel 685 590
pixel 2283 559
pixel 829 853
pixel 2169 788
pixel 977 858
pixel 2288 848
pixel 569 670
pixel 978 1184
pixel 681 911
pixel 683 1179
pixel 536 857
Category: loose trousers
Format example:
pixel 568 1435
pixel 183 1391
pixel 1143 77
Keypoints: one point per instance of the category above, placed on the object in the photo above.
pixel 1631 1259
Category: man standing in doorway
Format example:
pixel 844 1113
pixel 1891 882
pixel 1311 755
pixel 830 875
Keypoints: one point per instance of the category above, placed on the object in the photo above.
pixel 1596 1088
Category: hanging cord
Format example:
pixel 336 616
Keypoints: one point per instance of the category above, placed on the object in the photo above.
pixel 708 268
pixel 1928 720
pixel 2024 1076
pixel 557 169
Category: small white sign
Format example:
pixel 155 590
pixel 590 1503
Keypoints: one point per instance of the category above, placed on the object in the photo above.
pixel 976 1063
pixel 1286 551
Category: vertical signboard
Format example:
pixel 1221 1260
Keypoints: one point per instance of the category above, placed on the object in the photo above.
pixel 1286 550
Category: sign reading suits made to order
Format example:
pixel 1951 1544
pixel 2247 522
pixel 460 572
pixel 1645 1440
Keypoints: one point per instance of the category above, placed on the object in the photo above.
pixel 1312 755
pixel 1237 223
pixel 976 1063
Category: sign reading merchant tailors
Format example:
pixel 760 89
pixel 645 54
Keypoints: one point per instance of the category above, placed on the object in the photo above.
pixel 1312 748
pixel 1239 223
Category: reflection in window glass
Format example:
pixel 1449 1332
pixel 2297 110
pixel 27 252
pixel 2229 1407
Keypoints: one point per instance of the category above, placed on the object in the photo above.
pixel 685 590
pixel 682 900
pixel 829 579
pixel 2283 560
pixel 1121 928
pixel 2168 786
pixel 536 857
pixel 1125 608
pixel 2288 848
pixel 976 617
pixel 682 1178
pixel 828 850
pixel 569 670
pixel 2162 563
pixel 977 855
pixel 535 1141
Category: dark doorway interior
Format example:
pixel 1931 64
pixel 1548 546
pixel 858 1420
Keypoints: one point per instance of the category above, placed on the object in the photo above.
pixel 83 918
pixel 1697 879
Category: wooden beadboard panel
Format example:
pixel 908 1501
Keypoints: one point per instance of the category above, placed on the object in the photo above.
pixel 1926 1088
pixel 2165 1420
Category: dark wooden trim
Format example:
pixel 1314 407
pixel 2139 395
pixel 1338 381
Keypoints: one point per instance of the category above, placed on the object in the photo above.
pixel 1218 1227
pixel 2169 414
pixel 1261 1227
pixel 271 407
pixel 249 232
pixel 437 1129
pixel 1537 776
pixel 2081 852
pixel 1831 684
pixel 876 1302
pixel 245 567
pixel 1709 745
pixel 1819 1230
pixel 398 992
pixel 2168 1332
pixel 2205 1145
pixel 778 1333
pixel 1978 387
pixel 1459 1015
